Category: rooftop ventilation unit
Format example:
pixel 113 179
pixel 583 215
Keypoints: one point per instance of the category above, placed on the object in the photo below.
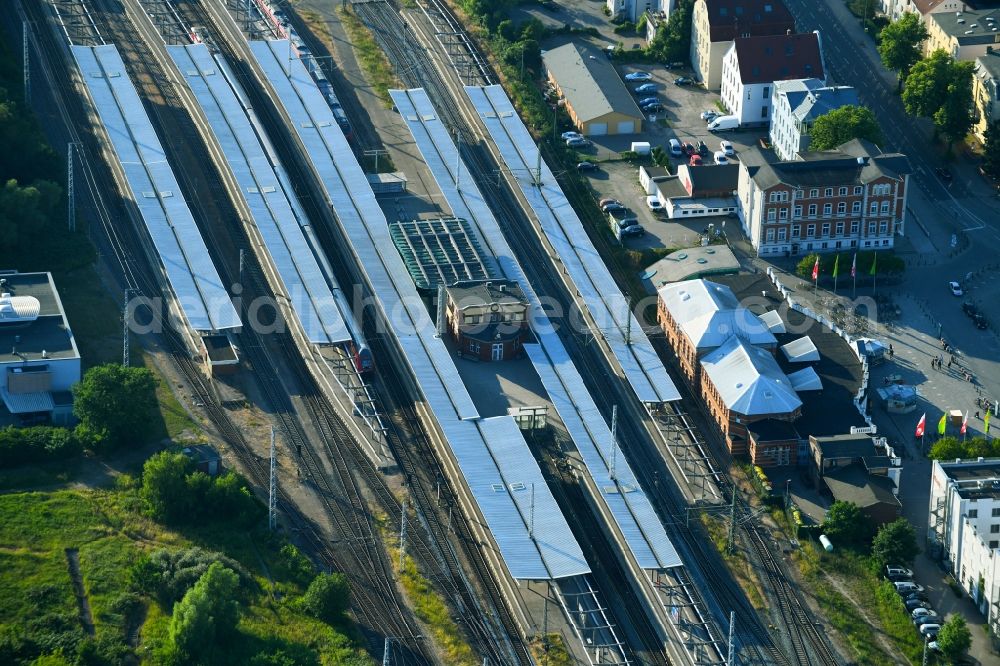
pixel 18 308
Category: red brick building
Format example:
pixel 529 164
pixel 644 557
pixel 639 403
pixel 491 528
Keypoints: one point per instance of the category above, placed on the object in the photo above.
pixel 488 319
pixel 851 198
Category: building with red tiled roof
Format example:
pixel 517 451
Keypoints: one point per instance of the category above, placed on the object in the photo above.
pixel 753 64
pixel 716 23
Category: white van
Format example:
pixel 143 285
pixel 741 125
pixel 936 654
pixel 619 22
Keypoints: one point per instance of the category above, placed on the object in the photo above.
pixel 675 147
pixel 724 124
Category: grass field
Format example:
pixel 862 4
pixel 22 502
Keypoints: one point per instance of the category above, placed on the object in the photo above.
pixel 110 532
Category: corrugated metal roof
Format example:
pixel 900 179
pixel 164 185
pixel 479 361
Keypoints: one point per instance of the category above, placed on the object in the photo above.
pixel 27 403
pixel 642 366
pixel 193 279
pixel 749 380
pixel 307 288
pixel 589 82
pixel 494 462
pixel 709 313
pixel 772 320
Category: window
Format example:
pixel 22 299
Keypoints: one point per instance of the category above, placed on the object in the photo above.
pixel 472 319
pixel 796 231
pixel 855 226
pixel 474 347
pixel 799 194
pixel 813 193
pixel 840 228
pixel 763 112
pixel 782 213
pixel 871 228
pixel 841 208
pixel 812 210
pixel 827 209
pixel 996 512
pixel 781 234
pixel 772 197
pixel 826 228
pixel 993 544
pixel 843 191
pixel 885 206
pixel 771 214
pixel 994 529
pixel 857 190
pixel 811 230
pixel 797 212
pixel 874 208
pixel 883 228
pixel 770 235
pixel 856 207
pixel 973 513
pixel 767 92
pixel 828 192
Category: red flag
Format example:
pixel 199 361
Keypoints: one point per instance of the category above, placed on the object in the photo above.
pixel 965 423
pixel 816 269
pixel 921 424
pixel 854 265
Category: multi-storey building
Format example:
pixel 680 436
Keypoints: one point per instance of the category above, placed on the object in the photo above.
pixel 964 35
pixel 986 92
pixel 964 528
pixel 796 106
pixel 894 9
pixel 632 10
pixel 716 23
pixel 753 65
pixel 488 319
pixel 853 197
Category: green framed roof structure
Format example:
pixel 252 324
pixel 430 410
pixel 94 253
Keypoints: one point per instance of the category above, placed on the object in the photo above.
pixel 442 252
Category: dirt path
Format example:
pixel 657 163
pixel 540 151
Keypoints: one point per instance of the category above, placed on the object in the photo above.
pixel 86 618
pixel 883 641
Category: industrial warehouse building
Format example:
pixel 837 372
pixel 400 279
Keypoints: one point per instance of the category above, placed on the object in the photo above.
pixel 596 98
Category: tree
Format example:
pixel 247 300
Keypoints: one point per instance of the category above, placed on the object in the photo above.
pixel 165 486
pixel 900 44
pixel 954 639
pixel 991 150
pixel 25 212
pixel 947 448
pixel 118 402
pixel 846 525
pixel 927 84
pixel 841 125
pixel 673 40
pixel 328 597
pixel 954 118
pixel 895 543
pixel 207 615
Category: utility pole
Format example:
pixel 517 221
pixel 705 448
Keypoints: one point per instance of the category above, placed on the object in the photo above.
pixel 386 651
pixel 272 496
pixel 628 320
pixel 402 537
pixel 71 149
pixel 125 335
pixel 614 439
pixel 25 34
pixel 732 523
pixel 242 264
pixel 731 656
pixel 531 514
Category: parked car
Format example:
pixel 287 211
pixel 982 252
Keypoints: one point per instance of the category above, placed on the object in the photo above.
pixel 654 204
pixel 633 230
pixel 921 612
pixel 920 596
pixel 926 619
pixel 720 157
pixel 689 149
pixel 683 81
pixel 608 203
pixel 606 200
pixel 930 630
pixel 944 174
pixel 586 166
pixel 895 578
pixel 727 148
pixel 906 587
pixel 695 161
pixel 645 88
pixel 970 309
pixel 571 135
pixel 638 76
pixel 577 142
pixel 724 124
pixel 703 149
pixel 648 100
pixel 956 288
pixel 674 65
pixel 981 322
pixel 652 108
pixel 914 604
pixel 709 115
pixel 675 148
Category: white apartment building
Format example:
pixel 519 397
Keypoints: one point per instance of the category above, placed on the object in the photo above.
pixel 632 10
pixel 754 64
pixel 796 104
pixel 896 8
pixel 964 528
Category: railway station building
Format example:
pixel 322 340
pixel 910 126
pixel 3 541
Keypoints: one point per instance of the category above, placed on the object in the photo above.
pixel 488 319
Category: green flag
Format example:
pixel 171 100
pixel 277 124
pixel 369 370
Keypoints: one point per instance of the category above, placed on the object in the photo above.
pixel 943 424
pixel 836 266
pixel 874 262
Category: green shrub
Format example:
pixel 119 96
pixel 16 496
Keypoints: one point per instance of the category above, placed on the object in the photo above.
pixel 20 446
pixel 327 598
pixel 167 575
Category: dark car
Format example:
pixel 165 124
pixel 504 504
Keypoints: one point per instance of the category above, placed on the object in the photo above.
pixel 981 322
pixel 653 108
pixel 914 604
pixel 970 309
pixel 689 149
pixel 944 174
pixel 674 65
pixel 683 81
pixel 586 166
pixel 703 149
